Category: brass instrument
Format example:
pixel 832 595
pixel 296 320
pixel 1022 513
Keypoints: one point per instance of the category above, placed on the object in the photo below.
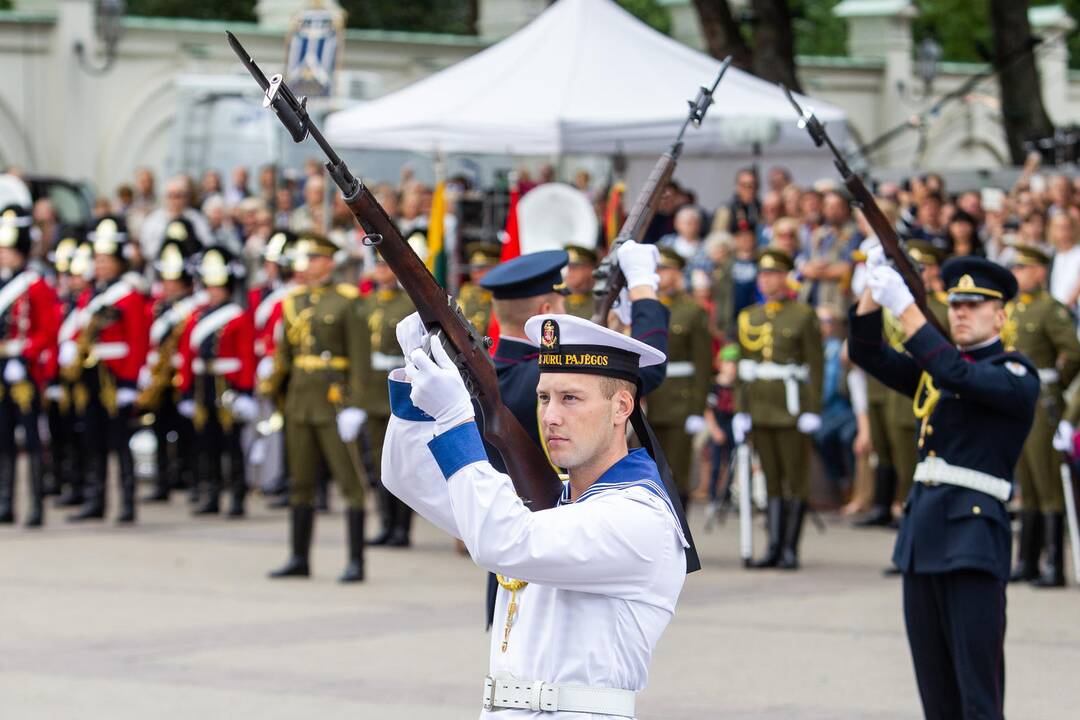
pixel 161 374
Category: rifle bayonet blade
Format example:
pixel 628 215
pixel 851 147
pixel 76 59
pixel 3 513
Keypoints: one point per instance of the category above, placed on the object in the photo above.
pixel 248 62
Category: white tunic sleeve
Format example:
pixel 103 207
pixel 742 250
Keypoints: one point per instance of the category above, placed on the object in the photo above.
pixel 615 544
pixel 409 471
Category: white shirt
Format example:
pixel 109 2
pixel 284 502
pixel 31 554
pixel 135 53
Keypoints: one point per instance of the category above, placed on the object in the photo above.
pixel 604 572
pixel 1065 274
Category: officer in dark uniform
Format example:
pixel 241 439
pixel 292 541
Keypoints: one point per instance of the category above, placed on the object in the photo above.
pixel 975 402
pixel 533 285
pixel 579 281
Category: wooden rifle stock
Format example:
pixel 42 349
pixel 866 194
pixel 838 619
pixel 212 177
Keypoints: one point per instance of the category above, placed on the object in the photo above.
pixel 533 477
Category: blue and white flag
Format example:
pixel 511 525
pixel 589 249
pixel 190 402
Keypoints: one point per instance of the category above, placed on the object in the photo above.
pixel 313 51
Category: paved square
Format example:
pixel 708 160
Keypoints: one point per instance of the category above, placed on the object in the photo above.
pixel 174 619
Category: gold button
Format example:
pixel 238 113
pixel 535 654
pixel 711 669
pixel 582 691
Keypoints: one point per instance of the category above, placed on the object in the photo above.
pixel 976 510
pixel 932 454
pixel 929 430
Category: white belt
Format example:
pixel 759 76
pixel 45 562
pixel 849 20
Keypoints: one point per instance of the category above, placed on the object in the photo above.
pixel 1049 376
pixel 790 373
pixel 110 350
pixel 937 470
pixel 680 369
pixel 505 692
pixel 152 357
pixel 12 348
pixel 217 366
pixel 386 363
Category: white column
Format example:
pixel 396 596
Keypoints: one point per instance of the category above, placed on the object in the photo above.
pixel 1051 22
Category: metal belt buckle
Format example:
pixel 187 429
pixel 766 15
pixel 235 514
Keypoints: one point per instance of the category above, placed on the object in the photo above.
pixel 489 693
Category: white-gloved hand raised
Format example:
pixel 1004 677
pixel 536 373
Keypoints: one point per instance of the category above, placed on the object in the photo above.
pixel 624 308
pixel 411 333
pixel 244 408
pixel 638 264
pixel 437 388
pixel 1063 438
pixel 740 425
pixel 694 424
pixel 888 290
pixel 14 372
pixel 808 423
pixel 349 422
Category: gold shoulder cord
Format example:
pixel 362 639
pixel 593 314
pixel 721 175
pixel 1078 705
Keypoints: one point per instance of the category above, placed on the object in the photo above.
pixel 929 396
pixel 755 338
pixel 514 586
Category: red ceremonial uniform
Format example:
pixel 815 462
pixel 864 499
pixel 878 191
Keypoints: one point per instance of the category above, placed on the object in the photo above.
pixel 265 305
pixel 31 323
pixel 122 343
pixel 219 341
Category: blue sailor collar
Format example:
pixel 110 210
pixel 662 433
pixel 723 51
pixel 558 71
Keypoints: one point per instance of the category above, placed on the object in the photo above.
pixel 637 469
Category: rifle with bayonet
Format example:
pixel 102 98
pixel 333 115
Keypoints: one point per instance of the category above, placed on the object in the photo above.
pixel 609 280
pixel 534 478
pixel 864 200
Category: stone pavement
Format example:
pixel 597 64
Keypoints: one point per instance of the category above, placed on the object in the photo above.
pixel 174 619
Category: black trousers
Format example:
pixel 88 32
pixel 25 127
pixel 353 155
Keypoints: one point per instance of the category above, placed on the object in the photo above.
pixel 956 630
pixel 216 446
pixel 107 430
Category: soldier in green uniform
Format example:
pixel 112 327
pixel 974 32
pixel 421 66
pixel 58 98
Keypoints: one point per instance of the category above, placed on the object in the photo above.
pixel 385 308
pixel 474 300
pixel 322 368
pixel 1044 332
pixel 676 408
pixel 579 282
pixel 779 397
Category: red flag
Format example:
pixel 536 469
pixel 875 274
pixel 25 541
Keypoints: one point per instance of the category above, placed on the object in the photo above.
pixel 511 248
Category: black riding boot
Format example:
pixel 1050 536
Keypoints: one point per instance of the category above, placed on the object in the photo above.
pixel 775 521
pixel 7 488
pixel 37 492
pixel 238 485
pixel 387 515
pixel 789 556
pixel 127 487
pixel 402 526
pixel 880 515
pixel 165 472
pixel 210 468
pixel 1027 556
pixel 354 524
pixel 1053 574
pixel 93 507
pixel 301 523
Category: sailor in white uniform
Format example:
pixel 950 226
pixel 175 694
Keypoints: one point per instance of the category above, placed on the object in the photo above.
pixel 587 587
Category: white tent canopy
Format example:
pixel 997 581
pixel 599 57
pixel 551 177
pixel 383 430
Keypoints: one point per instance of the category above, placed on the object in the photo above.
pixel 585 77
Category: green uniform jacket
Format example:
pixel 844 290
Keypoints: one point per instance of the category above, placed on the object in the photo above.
pixel 475 303
pixel 685 391
pixel 782 333
pixel 1046 334
pixel 325 346
pixel 581 305
pixel 385 310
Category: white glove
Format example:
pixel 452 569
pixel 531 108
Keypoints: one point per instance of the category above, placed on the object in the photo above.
pixel 694 424
pixel 349 422
pixel 54 393
pixel 808 423
pixel 14 372
pixel 126 396
pixel 265 368
pixel 145 376
pixel 244 408
pixel 257 453
pixel 411 332
pixel 888 290
pixel 437 388
pixel 623 308
pixel 740 425
pixel 186 408
pixel 875 255
pixel 638 264
pixel 1063 438
pixel 68 352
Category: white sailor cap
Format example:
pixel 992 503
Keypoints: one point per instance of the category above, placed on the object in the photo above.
pixel 572 344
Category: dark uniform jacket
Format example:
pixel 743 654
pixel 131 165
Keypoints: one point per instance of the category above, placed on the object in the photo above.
pixel 980 421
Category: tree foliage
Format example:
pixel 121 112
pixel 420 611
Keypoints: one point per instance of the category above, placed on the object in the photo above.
pixel 239 10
